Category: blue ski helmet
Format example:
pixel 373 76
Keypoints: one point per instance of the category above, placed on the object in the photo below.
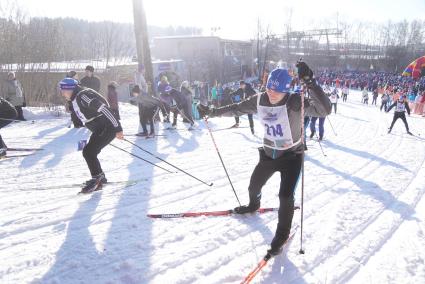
pixel 68 84
pixel 279 80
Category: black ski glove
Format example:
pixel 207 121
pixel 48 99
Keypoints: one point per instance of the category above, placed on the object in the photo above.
pixel 304 72
pixel 204 111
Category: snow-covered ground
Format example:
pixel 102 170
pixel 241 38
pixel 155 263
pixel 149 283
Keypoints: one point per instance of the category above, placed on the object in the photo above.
pixel 364 207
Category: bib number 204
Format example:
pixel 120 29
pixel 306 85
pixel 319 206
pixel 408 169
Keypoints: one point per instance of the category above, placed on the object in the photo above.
pixel 274 130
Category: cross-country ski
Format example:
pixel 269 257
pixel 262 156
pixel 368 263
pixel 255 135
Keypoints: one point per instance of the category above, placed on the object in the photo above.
pixel 203 142
pixel 209 213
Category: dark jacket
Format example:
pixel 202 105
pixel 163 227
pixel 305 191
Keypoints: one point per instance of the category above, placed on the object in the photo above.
pixel 7 112
pixel 178 97
pixel 93 110
pixel 91 82
pixel 318 105
pixel 146 100
pixel 237 96
pixel 186 93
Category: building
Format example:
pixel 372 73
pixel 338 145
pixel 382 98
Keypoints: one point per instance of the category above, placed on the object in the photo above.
pixel 207 58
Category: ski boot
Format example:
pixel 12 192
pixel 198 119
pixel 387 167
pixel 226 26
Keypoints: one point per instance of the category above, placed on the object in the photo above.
pixel 142 134
pixel 410 133
pixel 312 134
pixel 94 184
pixel 389 130
pixel 102 175
pixel 277 244
pixel 247 208
pixel 3 152
pixel 272 252
pixel 252 131
pixel 236 125
pixel 151 135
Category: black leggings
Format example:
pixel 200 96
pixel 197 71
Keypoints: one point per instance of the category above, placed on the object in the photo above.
pixel 98 140
pixel 147 118
pixel 165 110
pixel 398 115
pixel 289 166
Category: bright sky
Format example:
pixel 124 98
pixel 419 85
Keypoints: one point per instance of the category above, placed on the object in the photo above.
pixel 237 19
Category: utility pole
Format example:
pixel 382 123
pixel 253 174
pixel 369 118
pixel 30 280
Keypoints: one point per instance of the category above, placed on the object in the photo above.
pixel 142 41
pixel 258 50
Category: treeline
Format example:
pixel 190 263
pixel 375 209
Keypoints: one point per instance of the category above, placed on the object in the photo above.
pixel 388 46
pixel 62 39
pixel 392 45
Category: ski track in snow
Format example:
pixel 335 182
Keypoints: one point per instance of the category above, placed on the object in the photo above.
pixel 364 206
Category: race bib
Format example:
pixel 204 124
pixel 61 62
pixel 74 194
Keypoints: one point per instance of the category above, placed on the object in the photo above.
pixel 277 130
pixel 400 107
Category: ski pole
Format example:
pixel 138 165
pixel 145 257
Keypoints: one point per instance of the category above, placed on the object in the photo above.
pixel 221 160
pixel 140 158
pixel 320 144
pixel 184 115
pixel 302 172
pixel 331 126
pixel 152 154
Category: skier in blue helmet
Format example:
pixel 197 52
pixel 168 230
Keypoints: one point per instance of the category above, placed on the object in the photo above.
pixel 280 112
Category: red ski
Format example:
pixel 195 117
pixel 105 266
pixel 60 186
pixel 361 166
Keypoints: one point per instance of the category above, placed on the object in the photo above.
pixel 208 213
pixel 266 259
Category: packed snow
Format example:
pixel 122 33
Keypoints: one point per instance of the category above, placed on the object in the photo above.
pixel 364 206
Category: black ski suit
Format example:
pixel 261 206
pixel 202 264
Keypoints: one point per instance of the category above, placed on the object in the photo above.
pixel 275 159
pixel 94 112
pixel 400 109
pixel 374 97
pixel 7 113
pixel 148 106
pixel 384 102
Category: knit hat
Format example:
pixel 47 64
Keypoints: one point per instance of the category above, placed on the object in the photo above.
pixel 68 84
pixel 279 80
